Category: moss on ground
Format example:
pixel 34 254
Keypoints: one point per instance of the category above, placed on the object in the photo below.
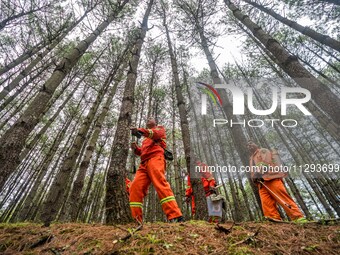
pixel 192 237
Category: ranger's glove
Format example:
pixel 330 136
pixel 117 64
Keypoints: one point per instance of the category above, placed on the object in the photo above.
pixel 258 177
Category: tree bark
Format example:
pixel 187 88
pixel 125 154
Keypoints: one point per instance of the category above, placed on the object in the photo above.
pixel 21 14
pixel 321 38
pixel 321 94
pixel 15 82
pixel 335 2
pixel 174 150
pixel 42 171
pixel 196 183
pixel 57 195
pixel 116 201
pixel 326 121
pixel 79 182
pixel 12 142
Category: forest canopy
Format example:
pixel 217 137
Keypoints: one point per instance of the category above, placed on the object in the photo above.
pixel 76 75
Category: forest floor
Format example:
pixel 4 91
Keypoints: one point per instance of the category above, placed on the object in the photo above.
pixel 192 237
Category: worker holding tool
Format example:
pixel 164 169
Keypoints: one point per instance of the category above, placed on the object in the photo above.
pixel 208 186
pixel 265 172
pixel 214 201
pixel 152 170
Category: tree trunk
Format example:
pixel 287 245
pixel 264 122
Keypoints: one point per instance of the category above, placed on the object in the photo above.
pixel 196 183
pixel 299 149
pixel 335 2
pixel 116 201
pixel 17 108
pixel 174 150
pixel 42 172
pixel 195 178
pixel 79 182
pixel 15 82
pixel 49 42
pixel 57 195
pixel 238 136
pixel 25 85
pixel 152 80
pixel 42 131
pixel 21 14
pixel 12 142
pixel 321 38
pixel 322 95
pixel 46 183
pixel 81 214
pixel 326 122
pixel 298 197
pixel 321 57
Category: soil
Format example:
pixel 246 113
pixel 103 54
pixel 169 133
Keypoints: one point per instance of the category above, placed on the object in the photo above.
pixel 192 237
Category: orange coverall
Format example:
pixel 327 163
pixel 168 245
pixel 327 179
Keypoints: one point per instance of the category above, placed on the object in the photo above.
pixel 208 181
pixel 273 180
pixel 152 170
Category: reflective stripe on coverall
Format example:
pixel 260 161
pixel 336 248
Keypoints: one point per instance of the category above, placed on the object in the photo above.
pixel 152 170
pixel 274 182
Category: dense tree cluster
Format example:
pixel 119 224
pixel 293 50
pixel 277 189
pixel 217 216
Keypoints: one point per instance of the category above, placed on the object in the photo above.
pixel 75 75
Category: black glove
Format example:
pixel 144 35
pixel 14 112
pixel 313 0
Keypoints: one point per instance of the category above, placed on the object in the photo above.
pixel 258 180
pixel 137 133
pixel 212 190
pixel 257 177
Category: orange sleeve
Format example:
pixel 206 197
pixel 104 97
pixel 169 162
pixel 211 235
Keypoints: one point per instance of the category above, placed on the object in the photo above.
pixel 138 151
pixel 188 190
pixel 205 184
pixel 212 183
pixel 156 133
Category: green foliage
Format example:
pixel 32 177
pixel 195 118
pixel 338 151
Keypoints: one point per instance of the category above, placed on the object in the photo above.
pixel 65 48
pixel 311 248
pixel 167 245
pixel 153 238
pixel 198 222
pixel 6 40
pixel 86 59
pixel 17 225
pixel 240 250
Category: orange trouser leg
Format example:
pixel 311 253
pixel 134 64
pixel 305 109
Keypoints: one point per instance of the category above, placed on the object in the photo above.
pixel 269 205
pixel 156 171
pixel 277 186
pixel 138 190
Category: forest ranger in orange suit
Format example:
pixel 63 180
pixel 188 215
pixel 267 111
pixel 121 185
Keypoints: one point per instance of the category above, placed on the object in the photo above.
pixel 262 159
pixel 209 184
pixel 152 170
pixel 189 196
